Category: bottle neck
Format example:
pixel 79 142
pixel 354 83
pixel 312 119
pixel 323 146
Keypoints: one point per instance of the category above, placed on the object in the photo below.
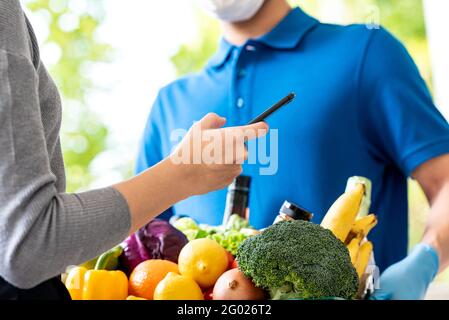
pixel 237 202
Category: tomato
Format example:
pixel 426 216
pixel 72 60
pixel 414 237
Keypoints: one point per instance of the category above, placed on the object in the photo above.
pixel 208 294
pixel 231 260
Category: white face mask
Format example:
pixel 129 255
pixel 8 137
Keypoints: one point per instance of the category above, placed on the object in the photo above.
pixel 231 10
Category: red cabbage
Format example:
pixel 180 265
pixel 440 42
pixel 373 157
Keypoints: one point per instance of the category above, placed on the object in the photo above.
pixel 156 240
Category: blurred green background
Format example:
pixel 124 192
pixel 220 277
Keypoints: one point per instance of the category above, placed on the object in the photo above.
pixel 84 136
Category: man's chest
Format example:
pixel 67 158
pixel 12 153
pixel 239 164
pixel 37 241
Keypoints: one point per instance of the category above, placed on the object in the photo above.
pixel 323 114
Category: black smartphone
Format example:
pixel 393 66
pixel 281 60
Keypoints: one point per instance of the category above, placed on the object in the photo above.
pixel 283 102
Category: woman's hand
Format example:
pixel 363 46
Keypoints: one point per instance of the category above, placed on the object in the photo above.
pixel 207 159
pixel 210 157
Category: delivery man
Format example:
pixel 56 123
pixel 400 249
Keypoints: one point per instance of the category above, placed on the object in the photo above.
pixel 43 229
pixel 361 108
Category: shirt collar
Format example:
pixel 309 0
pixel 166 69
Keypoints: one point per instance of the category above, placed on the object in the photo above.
pixel 286 35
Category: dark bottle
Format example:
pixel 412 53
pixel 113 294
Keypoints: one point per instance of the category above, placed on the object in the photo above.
pixel 237 199
pixel 290 211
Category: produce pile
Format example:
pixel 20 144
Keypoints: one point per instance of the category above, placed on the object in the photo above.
pixel 229 236
pixel 184 260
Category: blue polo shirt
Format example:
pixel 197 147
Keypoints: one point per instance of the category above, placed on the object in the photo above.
pixel 361 108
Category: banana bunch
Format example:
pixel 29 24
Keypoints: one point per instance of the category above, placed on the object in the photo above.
pixel 350 222
pixel 359 247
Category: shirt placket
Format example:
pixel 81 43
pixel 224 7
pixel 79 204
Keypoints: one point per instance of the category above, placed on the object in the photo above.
pixel 242 73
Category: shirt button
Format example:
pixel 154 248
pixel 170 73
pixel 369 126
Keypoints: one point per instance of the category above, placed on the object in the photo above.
pixel 250 48
pixel 240 103
pixel 242 73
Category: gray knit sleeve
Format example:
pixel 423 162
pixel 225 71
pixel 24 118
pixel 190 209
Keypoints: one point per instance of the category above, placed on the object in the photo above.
pixel 43 231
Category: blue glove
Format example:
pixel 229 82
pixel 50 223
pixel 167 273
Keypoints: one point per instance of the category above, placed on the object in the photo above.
pixel 409 278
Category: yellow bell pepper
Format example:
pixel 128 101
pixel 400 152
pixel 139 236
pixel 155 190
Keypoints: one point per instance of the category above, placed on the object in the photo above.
pixel 97 284
pixel 84 284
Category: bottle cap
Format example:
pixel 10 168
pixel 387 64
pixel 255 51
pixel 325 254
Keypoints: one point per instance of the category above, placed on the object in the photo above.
pixel 295 212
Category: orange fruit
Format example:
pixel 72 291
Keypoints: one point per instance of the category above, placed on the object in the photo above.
pixel 176 287
pixel 145 277
pixel 135 298
pixel 203 260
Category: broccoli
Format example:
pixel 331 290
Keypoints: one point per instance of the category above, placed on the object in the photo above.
pixel 298 260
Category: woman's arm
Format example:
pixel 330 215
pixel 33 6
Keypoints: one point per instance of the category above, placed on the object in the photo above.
pixel 42 231
pixel 169 181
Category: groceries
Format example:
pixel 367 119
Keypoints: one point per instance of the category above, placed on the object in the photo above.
pixel 146 276
pixel 203 260
pixel 135 298
pixel 291 211
pixel 235 227
pixel 341 216
pixel 237 199
pixel 349 220
pixel 298 260
pixel 364 254
pixel 107 261
pixel 292 259
pixel 229 236
pixel 99 283
pixel 358 245
pixel 178 287
pixel 342 220
pixel 157 240
pixel 362 227
pixel 84 284
pixel 233 285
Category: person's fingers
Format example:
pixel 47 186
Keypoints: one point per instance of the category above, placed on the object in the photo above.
pixel 236 170
pixel 259 126
pixel 233 150
pixel 212 121
pixel 240 154
pixel 229 172
pixel 245 154
pixel 251 131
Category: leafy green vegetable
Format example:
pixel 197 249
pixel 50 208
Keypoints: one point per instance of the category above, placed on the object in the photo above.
pixel 298 259
pixel 235 222
pixel 185 223
pixel 230 240
pixel 229 237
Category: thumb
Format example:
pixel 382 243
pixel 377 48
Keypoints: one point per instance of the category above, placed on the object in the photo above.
pixel 212 121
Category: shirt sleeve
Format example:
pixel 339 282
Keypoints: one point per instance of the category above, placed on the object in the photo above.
pixel 150 152
pixel 403 126
pixel 43 231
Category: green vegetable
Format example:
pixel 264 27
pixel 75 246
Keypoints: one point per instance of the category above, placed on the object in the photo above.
pixel 89 265
pixel 230 240
pixel 109 259
pixel 191 234
pixel 185 223
pixel 235 222
pixel 229 237
pixel 106 261
pixel 298 260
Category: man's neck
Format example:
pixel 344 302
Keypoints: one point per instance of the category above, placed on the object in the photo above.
pixel 271 13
